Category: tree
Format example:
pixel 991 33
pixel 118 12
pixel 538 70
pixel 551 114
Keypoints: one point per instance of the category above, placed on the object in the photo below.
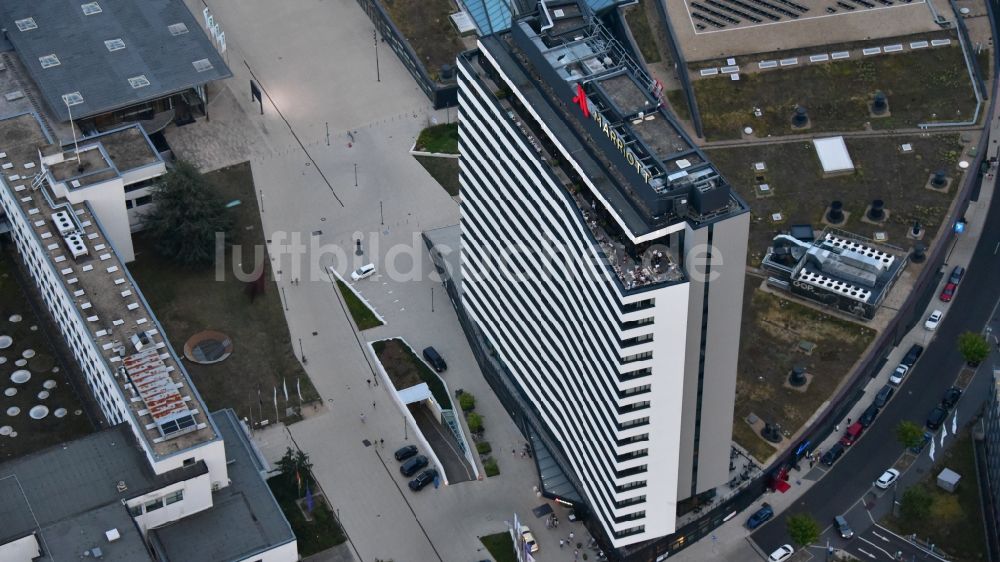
pixel 295 465
pixel 973 347
pixel 803 529
pixel 909 434
pixel 187 216
pixel 916 503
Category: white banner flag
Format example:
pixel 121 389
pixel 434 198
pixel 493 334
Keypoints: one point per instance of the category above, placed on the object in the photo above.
pixel 932 449
pixel 954 423
pixel 284 385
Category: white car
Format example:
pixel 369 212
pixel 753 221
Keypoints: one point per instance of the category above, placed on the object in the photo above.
pixel 898 375
pixel 887 479
pixel 529 539
pixel 933 320
pixel 366 270
pixel 783 553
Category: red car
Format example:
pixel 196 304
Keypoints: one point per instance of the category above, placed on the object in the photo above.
pixel 852 434
pixel 948 292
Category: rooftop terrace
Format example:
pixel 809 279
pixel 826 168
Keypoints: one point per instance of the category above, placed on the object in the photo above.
pixel 644 160
pixel 104 293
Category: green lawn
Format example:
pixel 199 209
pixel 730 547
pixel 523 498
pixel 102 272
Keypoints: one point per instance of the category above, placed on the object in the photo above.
pixel 955 524
pixel 638 22
pixel 922 86
pixel 500 546
pixel 678 102
pixel 440 139
pixel 443 170
pixel 188 301
pixel 313 536
pixel 406 369
pixel 363 316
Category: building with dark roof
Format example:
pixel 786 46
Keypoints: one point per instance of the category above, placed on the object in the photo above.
pixel 602 268
pixel 107 61
pixel 81 499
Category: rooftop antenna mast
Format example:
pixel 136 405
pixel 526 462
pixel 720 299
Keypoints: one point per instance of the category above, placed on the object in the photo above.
pixel 76 146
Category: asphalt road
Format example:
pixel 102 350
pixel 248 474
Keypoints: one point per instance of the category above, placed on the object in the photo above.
pixel 878 448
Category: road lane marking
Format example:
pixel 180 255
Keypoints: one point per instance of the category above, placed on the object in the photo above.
pixel 866 553
pixel 883 537
pixel 884 551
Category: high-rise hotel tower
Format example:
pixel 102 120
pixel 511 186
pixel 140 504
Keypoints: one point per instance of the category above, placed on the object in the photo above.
pixel 602 263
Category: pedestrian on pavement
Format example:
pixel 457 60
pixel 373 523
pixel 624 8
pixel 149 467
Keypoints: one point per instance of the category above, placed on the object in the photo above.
pixel 382 442
pixel 373 405
pixel 571 535
pixel 513 452
pixel 576 553
pixel 836 427
pixel 369 383
pixel 362 417
pixel 561 543
pixel 848 421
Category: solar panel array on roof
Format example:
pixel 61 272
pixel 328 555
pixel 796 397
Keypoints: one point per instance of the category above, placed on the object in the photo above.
pixel 158 391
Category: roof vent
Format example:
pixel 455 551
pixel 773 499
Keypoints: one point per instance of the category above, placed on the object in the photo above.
pixel 121 487
pixel 140 340
pixel 27 24
pixel 48 61
pixel 114 44
pixel 177 29
pixel 202 65
pixel 91 8
pixel 112 535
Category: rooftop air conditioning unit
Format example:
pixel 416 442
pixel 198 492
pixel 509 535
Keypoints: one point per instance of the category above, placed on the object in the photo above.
pixel 75 245
pixel 140 340
pixel 64 223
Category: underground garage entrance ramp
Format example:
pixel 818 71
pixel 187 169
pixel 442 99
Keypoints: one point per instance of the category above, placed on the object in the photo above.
pixel 428 416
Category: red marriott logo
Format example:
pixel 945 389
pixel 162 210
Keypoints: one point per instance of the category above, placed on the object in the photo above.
pixel 581 100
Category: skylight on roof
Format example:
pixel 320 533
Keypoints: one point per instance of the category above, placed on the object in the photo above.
pixel 114 44
pixel 27 24
pixel 202 65
pixel 177 29
pixel 139 81
pixel 72 98
pixel 48 61
pixel 91 8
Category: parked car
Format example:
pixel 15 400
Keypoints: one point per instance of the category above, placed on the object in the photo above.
pixel 933 320
pixel 948 292
pixel 883 396
pixel 951 397
pixel 423 479
pixel 760 516
pixel 405 452
pixel 868 418
pixel 783 553
pixel 435 359
pixel 852 434
pixel 529 539
pixel 899 374
pixel 410 467
pixel 936 418
pixel 956 275
pixel 832 454
pixel 887 479
pixel 845 530
pixel 912 354
pixel 366 270
pixel 923 443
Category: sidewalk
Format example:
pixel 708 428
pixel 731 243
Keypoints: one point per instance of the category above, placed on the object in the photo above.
pixel 731 540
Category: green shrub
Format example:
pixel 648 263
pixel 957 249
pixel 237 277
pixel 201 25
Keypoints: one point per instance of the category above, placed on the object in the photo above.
pixel 490 465
pixel 484 447
pixel 467 402
pixel 475 422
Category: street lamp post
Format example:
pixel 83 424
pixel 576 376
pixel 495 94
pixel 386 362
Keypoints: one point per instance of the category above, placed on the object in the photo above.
pixel 302 353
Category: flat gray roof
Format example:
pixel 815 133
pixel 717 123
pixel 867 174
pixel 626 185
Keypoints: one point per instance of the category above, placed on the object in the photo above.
pixel 245 518
pixel 85 64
